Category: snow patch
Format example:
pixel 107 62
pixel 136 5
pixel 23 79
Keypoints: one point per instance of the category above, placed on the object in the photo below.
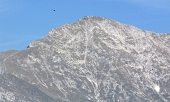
pixel 157 88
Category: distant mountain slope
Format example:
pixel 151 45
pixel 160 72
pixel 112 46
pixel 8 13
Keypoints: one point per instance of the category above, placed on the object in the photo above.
pixel 16 90
pixel 94 60
pixel 165 38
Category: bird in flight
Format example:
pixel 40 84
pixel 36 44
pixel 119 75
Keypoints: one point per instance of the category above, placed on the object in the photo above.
pixel 53 9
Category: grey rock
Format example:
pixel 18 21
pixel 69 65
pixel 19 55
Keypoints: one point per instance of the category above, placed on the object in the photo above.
pixel 92 60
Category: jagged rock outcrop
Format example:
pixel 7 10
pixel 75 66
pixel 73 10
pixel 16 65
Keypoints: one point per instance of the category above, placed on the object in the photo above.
pixel 94 60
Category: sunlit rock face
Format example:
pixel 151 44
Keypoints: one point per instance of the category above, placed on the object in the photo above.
pixel 92 60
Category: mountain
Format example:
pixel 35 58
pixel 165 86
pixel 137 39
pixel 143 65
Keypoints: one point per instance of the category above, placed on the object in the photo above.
pixel 92 60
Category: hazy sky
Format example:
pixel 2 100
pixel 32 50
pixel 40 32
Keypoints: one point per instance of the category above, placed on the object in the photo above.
pixel 23 21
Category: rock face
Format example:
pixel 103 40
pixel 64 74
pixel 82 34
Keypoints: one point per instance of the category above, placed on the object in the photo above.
pixel 92 60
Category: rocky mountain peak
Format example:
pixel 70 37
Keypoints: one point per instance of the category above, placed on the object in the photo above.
pixel 93 60
pixel 93 24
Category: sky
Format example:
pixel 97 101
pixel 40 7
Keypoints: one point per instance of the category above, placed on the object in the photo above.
pixel 24 21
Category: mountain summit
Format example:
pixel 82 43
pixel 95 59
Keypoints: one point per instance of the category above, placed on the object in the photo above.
pixel 92 60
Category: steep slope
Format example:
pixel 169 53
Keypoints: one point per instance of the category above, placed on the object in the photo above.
pixel 13 89
pixel 96 60
pixel 165 38
pixel 3 57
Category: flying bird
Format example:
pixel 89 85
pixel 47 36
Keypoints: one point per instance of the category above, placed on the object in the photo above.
pixel 53 9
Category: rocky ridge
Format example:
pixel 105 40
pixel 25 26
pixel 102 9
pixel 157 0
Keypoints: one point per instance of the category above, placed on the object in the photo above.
pixel 92 60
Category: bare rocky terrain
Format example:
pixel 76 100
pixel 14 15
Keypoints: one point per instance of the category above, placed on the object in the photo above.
pixel 92 60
